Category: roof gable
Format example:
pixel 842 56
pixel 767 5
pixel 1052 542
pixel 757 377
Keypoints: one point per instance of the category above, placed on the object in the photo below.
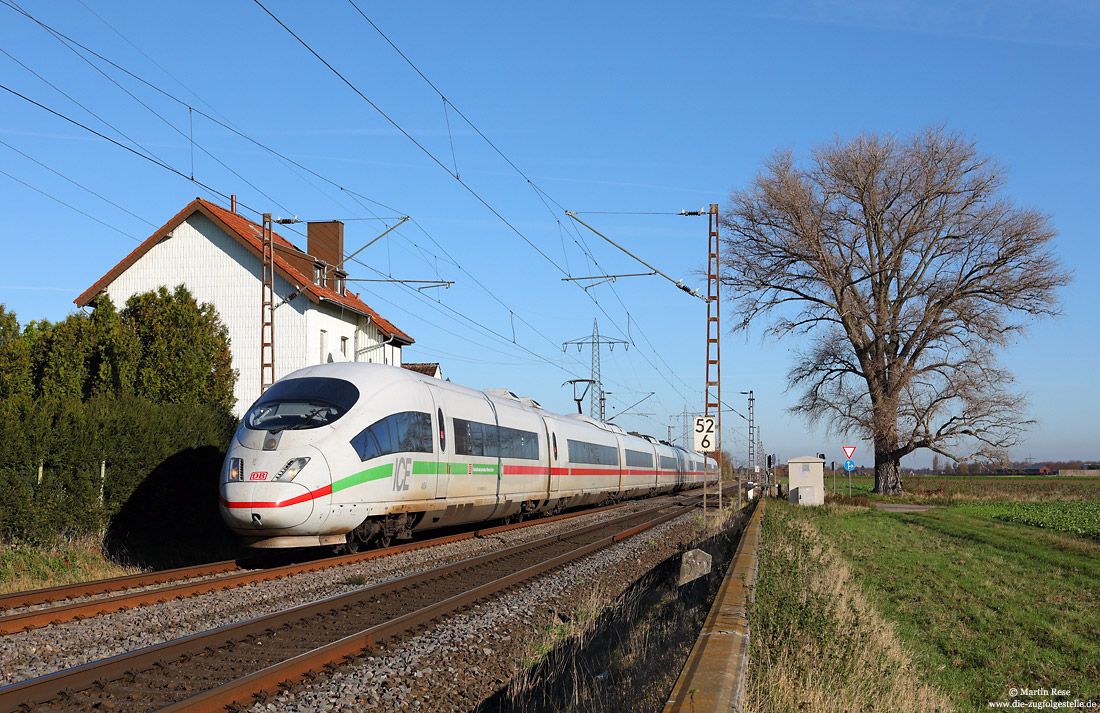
pixel 250 235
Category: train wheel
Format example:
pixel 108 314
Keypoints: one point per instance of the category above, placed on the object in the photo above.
pixel 351 545
pixel 383 539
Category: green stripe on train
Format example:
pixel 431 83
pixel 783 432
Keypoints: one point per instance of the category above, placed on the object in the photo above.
pixel 432 468
pixel 420 467
pixel 375 473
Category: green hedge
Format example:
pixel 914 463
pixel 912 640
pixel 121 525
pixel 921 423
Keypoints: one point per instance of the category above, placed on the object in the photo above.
pixel 67 440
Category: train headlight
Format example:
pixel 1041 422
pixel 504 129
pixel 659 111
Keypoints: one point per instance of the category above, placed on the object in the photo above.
pixel 234 469
pixel 292 468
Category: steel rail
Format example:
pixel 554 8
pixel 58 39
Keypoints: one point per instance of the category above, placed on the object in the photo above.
pixel 272 678
pixel 44 688
pixel 62 592
pixel 37 618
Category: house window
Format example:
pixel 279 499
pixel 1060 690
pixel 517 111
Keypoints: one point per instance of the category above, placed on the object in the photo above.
pixel 324 347
pixel 344 346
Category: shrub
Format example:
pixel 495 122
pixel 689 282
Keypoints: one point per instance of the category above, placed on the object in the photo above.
pixel 69 441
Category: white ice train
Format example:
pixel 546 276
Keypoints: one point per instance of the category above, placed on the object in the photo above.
pixel 349 454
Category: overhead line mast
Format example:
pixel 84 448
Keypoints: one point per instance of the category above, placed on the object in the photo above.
pixel 267 307
pixel 714 344
pixel 713 393
pixel 596 406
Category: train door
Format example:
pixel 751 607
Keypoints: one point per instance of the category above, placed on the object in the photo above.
pixel 552 458
pixel 620 446
pixel 444 445
pixel 470 465
pixel 492 444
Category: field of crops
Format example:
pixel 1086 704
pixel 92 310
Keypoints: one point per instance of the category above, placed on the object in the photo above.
pixel 1078 518
pixel 957 490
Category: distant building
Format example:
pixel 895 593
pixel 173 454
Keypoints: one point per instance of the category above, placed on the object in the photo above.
pixel 217 255
pixel 427 369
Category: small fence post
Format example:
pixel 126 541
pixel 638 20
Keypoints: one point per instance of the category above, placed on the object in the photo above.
pixel 40 472
pixel 102 478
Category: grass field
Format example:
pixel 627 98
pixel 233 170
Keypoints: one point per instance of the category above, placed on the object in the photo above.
pixel 24 567
pixel 1072 517
pixel 985 605
pixel 947 490
pixel 818 643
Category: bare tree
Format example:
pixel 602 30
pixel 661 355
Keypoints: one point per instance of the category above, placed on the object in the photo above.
pixel 906 268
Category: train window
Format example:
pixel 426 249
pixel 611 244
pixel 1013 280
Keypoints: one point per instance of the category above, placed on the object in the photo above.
pixel 442 432
pixel 309 402
pixel 668 463
pixel 555 439
pixel 515 443
pixel 593 453
pixel 638 459
pixel 489 440
pixel 469 438
pixel 406 432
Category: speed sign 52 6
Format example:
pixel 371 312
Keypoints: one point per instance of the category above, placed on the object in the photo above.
pixel 704 434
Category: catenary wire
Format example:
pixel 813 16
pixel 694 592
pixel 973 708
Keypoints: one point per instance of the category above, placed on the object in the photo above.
pixel 539 191
pixel 397 126
pixel 165 165
pixel 57 89
pixel 70 206
pixel 78 185
pixel 487 291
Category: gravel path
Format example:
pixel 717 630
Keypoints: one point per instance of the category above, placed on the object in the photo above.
pixel 468 657
pixel 35 653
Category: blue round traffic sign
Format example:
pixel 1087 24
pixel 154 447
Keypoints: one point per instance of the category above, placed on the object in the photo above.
pixel 849 464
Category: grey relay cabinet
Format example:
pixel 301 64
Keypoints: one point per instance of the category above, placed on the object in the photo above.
pixel 806 480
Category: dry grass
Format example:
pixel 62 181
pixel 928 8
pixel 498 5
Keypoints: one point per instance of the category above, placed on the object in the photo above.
pixel 817 644
pixel 24 567
pixel 619 654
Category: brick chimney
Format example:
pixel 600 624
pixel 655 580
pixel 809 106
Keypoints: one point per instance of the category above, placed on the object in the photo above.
pixel 325 242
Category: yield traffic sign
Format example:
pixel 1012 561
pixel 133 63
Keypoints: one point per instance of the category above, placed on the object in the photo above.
pixel 849 451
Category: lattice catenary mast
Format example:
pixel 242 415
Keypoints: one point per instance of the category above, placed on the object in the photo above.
pixel 267 308
pixel 596 405
pixel 714 345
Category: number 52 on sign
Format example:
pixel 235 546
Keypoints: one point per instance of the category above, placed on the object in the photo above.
pixel 704 434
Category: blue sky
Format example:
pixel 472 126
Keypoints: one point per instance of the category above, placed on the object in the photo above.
pixel 636 109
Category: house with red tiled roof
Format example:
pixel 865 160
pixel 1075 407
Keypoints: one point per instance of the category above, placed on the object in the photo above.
pixel 218 255
pixel 426 368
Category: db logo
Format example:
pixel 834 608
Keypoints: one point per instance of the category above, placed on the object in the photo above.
pixel 258 475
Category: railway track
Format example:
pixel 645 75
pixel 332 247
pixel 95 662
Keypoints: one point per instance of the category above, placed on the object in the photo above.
pixel 206 672
pixel 65 592
pixel 28 613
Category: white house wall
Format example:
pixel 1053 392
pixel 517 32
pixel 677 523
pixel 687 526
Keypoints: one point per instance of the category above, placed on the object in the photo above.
pixel 216 268
pixel 374 346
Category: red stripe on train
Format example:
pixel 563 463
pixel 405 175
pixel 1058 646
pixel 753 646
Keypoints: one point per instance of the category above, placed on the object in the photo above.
pixel 312 495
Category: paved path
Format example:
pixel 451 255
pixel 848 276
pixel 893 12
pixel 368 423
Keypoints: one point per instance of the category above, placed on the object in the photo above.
pixel 903 507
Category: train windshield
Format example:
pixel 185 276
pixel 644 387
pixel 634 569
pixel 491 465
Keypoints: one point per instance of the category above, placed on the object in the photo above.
pixel 296 404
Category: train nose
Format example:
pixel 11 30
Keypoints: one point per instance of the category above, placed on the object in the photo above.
pixel 261 500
